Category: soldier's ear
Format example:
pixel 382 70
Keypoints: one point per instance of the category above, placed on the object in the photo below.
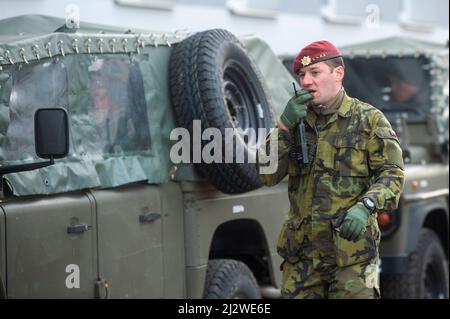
pixel 339 73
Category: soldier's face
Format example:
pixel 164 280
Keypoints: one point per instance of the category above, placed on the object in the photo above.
pixel 321 81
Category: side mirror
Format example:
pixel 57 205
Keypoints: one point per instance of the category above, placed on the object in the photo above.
pixel 51 132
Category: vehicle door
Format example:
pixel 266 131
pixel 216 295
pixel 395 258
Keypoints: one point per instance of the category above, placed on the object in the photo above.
pixel 130 241
pixel 51 247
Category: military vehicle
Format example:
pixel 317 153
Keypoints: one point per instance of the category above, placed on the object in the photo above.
pixel 118 218
pixel 110 214
pixel 408 80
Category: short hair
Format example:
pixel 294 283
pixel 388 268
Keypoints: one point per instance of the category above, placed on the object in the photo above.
pixel 335 62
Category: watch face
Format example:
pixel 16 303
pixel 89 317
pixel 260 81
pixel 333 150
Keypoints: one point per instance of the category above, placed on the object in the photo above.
pixel 368 202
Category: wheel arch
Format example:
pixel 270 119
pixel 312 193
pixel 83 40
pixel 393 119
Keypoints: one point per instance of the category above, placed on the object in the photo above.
pixel 244 240
pixel 427 214
pixel 437 220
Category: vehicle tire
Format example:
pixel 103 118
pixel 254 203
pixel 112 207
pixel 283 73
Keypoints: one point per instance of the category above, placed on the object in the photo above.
pixel 212 79
pixel 230 279
pixel 427 274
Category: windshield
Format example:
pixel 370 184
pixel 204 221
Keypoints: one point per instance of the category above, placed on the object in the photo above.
pixel 394 85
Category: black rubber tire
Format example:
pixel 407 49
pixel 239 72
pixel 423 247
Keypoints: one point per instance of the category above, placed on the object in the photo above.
pixel 210 72
pixel 427 274
pixel 230 279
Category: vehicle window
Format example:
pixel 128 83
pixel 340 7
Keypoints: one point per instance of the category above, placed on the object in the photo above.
pixel 34 86
pixel 392 84
pixel 118 106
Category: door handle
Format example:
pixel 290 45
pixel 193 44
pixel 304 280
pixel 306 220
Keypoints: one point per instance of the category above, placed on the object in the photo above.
pixel 78 228
pixel 149 217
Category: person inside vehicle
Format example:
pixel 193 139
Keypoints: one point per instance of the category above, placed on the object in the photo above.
pixel 102 110
pixel 406 85
pixel 101 102
pixel 118 108
pixel 407 96
pixel 329 241
pixel 402 91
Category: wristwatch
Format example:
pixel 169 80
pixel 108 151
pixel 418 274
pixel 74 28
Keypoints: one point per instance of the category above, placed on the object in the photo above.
pixel 369 204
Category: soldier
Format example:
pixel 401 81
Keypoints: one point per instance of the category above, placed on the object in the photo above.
pixel 330 239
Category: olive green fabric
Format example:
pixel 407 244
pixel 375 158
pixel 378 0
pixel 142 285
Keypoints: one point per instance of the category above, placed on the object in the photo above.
pixel 437 66
pixel 28 42
pixel 395 45
pixel 29 45
pixel 87 165
pixel 353 274
pixel 34 37
pixel 356 155
pixel 276 78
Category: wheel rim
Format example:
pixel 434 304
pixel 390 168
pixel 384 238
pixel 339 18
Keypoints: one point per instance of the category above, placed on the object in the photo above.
pixel 236 106
pixel 241 98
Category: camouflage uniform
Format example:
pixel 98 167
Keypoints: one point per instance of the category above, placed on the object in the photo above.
pixel 355 153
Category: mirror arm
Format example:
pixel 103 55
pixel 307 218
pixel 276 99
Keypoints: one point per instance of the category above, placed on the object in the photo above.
pixel 25 167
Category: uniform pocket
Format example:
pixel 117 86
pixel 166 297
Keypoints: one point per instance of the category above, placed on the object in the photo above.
pixel 349 253
pixel 351 159
pixel 290 240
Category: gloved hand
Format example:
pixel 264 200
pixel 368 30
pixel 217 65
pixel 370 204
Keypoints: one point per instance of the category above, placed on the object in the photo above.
pixel 355 222
pixel 295 109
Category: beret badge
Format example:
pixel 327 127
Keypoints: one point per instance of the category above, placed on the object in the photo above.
pixel 306 60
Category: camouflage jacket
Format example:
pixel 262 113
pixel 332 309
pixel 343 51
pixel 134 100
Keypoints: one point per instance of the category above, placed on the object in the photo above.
pixel 355 154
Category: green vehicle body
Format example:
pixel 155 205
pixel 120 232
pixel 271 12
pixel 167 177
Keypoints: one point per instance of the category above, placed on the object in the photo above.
pixel 133 225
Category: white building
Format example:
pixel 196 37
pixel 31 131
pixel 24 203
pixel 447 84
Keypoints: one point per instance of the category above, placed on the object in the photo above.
pixel 286 25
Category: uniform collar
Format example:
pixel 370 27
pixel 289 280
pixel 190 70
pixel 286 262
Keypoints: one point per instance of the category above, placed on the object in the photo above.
pixel 332 108
pixel 344 110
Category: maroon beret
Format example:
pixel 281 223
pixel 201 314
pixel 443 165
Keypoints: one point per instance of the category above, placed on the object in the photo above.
pixel 313 53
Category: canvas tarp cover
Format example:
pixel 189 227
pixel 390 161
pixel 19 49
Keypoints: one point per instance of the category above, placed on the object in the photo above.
pixel 129 141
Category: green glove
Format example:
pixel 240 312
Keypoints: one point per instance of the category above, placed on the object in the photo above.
pixel 355 222
pixel 295 109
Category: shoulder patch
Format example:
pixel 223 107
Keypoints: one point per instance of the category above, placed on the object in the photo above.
pixel 392 132
pixel 386 132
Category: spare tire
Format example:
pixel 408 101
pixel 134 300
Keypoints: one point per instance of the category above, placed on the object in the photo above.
pixel 212 79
